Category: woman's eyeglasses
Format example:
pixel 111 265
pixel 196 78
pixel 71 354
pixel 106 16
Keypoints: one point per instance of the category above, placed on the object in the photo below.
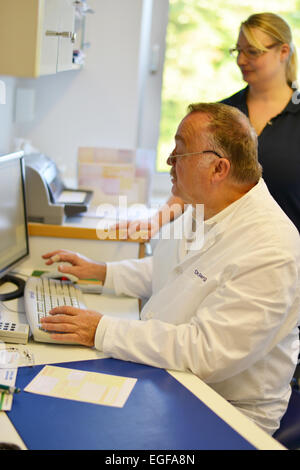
pixel 250 52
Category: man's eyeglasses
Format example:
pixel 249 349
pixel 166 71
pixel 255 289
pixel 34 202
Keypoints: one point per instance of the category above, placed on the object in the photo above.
pixel 173 157
pixel 250 52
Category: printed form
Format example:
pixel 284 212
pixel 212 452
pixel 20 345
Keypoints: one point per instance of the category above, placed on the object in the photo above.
pixel 78 385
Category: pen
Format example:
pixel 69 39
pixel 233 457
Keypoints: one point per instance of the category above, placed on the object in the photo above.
pixel 9 389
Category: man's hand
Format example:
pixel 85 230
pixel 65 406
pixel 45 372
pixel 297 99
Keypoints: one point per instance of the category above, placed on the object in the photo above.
pixel 82 267
pixel 73 325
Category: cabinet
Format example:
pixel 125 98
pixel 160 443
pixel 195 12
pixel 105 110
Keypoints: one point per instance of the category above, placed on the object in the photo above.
pixel 36 37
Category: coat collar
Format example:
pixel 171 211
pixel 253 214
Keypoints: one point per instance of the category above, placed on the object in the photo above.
pixel 214 228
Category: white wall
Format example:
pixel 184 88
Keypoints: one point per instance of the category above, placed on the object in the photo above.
pixel 112 102
pixel 6 115
pixel 98 105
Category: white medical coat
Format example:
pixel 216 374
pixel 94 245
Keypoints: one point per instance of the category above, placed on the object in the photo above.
pixel 228 312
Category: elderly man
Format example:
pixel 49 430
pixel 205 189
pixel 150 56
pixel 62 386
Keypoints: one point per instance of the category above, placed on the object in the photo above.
pixel 227 309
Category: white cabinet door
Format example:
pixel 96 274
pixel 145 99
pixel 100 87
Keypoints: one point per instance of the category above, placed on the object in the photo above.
pixel 49 44
pixel 57 32
pixel 35 37
pixel 67 27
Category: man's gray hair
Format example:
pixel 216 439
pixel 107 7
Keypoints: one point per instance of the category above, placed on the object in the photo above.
pixel 231 134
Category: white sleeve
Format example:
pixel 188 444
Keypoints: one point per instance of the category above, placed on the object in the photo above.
pixel 235 326
pixel 130 277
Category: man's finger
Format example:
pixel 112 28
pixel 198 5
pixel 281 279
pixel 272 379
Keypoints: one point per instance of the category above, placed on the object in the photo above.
pixel 59 318
pixel 61 327
pixel 60 255
pixel 66 338
pixel 65 310
pixel 50 254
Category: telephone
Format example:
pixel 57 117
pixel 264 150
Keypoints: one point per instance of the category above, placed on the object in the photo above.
pixel 13 332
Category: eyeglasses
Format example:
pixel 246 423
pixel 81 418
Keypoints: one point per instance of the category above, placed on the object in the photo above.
pixel 250 52
pixel 173 157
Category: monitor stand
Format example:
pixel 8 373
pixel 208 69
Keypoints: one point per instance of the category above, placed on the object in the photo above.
pixel 19 292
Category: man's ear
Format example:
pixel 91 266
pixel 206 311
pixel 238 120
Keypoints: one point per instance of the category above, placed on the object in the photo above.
pixel 221 169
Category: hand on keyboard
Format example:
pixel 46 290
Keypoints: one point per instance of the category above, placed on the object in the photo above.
pixel 82 267
pixel 71 324
pixel 41 295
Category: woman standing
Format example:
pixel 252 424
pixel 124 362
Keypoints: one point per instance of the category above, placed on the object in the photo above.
pixel 267 58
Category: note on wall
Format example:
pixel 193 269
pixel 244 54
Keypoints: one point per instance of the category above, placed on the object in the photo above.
pixel 78 385
pixel 112 172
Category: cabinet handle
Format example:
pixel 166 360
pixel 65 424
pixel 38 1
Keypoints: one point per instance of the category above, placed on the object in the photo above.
pixel 65 34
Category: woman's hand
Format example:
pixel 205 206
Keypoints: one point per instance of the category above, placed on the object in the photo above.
pixel 134 229
pixel 147 228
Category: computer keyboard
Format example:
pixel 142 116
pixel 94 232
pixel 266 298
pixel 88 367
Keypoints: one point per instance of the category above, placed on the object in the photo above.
pixel 43 294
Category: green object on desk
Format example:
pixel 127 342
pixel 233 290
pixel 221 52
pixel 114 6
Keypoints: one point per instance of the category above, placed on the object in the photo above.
pixel 2 394
pixel 9 389
pixel 38 273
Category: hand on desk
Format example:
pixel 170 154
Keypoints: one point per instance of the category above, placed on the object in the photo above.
pixel 73 324
pixel 172 209
pixel 82 267
pixel 145 228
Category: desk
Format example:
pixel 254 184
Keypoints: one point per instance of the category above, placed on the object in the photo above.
pixel 160 414
pixel 52 353
pixel 55 353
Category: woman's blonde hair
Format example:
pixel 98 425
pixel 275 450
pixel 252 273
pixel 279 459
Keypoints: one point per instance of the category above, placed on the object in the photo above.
pixel 277 28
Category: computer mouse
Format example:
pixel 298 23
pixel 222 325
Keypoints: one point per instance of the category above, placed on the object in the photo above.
pixel 55 274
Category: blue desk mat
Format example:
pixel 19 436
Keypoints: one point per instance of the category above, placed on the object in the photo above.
pixel 160 413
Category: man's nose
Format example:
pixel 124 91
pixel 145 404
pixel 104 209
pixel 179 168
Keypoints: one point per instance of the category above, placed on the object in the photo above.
pixel 171 159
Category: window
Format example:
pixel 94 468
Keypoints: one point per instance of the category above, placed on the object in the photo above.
pixel 197 65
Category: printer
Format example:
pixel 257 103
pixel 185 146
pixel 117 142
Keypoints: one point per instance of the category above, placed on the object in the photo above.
pixel 48 200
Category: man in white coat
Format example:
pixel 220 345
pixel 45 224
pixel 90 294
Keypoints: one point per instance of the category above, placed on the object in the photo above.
pixel 226 309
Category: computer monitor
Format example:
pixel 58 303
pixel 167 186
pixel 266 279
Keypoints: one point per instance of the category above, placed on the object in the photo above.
pixel 14 246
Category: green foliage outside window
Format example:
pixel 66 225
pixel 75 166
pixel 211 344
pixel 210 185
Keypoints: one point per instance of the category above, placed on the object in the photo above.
pixel 198 66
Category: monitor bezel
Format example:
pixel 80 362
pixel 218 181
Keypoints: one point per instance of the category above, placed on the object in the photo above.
pixel 9 157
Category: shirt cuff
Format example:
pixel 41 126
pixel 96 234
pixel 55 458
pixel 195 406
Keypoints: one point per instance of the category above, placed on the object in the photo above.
pixel 100 332
pixel 109 283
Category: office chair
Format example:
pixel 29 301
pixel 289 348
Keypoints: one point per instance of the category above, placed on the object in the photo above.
pixel 289 432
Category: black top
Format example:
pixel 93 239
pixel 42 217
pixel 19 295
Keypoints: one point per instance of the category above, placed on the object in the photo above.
pixel 279 153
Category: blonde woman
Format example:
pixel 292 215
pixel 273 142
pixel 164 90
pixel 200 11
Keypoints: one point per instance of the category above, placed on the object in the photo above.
pixel 267 58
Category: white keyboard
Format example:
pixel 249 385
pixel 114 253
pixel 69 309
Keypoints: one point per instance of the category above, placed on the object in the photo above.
pixel 41 295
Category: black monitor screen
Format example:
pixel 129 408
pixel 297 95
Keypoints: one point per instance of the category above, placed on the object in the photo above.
pixel 13 225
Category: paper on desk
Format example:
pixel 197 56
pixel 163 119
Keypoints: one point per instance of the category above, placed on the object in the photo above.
pixel 90 387
pixel 71 196
pixel 7 377
pixel 9 359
